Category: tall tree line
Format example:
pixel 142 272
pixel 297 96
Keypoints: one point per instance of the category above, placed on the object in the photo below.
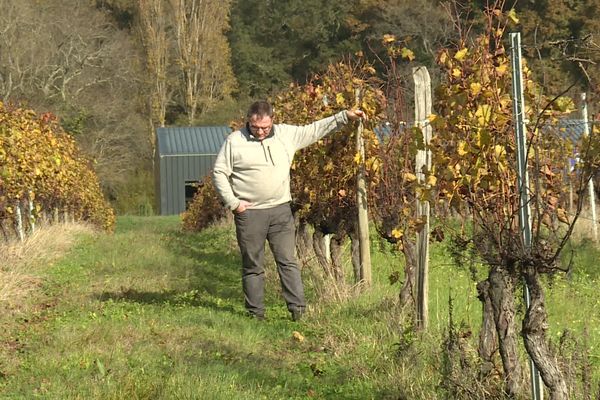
pixel 114 70
pixel 563 42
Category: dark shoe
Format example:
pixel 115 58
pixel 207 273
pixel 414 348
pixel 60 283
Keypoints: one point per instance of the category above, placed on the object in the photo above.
pixel 297 315
pixel 258 317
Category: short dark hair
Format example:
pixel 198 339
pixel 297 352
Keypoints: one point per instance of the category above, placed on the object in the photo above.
pixel 260 108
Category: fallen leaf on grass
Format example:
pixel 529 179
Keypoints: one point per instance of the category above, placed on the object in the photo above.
pixel 297 336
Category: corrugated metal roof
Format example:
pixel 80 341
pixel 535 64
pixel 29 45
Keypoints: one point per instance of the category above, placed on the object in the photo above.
pixel 190 140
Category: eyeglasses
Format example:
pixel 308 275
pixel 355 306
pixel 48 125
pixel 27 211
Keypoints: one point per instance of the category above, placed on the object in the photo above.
pixel 265 129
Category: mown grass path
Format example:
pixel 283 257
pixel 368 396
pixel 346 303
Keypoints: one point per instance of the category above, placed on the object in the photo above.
pixel 152 313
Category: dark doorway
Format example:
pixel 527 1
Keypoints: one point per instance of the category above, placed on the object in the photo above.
pixel 190 190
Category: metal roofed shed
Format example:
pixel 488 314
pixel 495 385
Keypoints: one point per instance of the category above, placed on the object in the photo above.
pixel 184 155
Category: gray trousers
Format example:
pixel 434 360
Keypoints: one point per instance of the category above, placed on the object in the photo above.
pixel 276 225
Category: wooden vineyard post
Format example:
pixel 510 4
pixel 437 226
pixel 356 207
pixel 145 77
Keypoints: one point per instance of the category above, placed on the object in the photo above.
pixel 19 217
pixel 423 163
pixel 361 203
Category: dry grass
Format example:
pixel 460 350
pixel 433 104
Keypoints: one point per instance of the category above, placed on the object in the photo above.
pixel 584 228
pixel 20 263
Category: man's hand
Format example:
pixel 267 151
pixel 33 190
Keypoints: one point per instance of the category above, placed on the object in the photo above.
pixel 356 114
pixel 242 207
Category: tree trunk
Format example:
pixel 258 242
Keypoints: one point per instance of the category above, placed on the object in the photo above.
pixel 488 338
pixel 502 298
pixel 407 292
pixel 534 334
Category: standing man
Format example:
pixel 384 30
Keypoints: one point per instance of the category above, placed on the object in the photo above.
pixel 252 177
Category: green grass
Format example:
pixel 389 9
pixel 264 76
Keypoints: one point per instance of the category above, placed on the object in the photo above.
pixel 153 313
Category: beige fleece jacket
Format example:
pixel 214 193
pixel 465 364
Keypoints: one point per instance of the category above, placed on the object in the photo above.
pixel 259 171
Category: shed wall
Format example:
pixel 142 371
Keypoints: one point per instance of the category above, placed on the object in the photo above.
pixel 175 171
pixel 184 154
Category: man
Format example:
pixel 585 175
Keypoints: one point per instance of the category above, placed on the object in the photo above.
pixel 252 177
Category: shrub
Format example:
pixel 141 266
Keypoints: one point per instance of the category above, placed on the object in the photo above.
pixel 205 209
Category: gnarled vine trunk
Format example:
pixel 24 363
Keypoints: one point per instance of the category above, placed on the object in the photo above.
pixel 534 334
pixel 502 298
pixel 355 255
pixel 488 338
pixel 303 242
pixel 332 265
pixel 321 251
pixel 407 292
pixel 336 257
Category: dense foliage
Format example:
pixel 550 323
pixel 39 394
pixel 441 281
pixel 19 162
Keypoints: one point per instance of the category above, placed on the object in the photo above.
pixel 324 175
pixel 41 163
pixel 125 66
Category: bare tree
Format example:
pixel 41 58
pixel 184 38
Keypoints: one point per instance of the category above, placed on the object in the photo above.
pixel 203 52
pixel 153 23
pixel 69 58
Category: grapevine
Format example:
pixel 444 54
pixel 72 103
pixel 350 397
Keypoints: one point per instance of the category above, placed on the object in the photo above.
pixel 42 164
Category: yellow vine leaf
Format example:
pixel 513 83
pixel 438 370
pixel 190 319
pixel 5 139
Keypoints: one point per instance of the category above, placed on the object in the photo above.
pixel 512 14
pixel 431 180
pixel 297 336
pixel 357 158
pixel 339 99
pixel 461 148
pixel 456 72
pixel 461 54
pixel 564 104
pixel 483 114
pixel 410 177
pixel 387 38
pixel 475 88
pixel 501 69
pixel 500 151
pixel 407 53
pixel 397 233
pixel 372 164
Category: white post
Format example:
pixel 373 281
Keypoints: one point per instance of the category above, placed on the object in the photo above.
pixel 537 386
pixel 423 161
pixel 361 204
pixel 327 242
pixel 586 132
pixel 19 222
pixel 31 216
